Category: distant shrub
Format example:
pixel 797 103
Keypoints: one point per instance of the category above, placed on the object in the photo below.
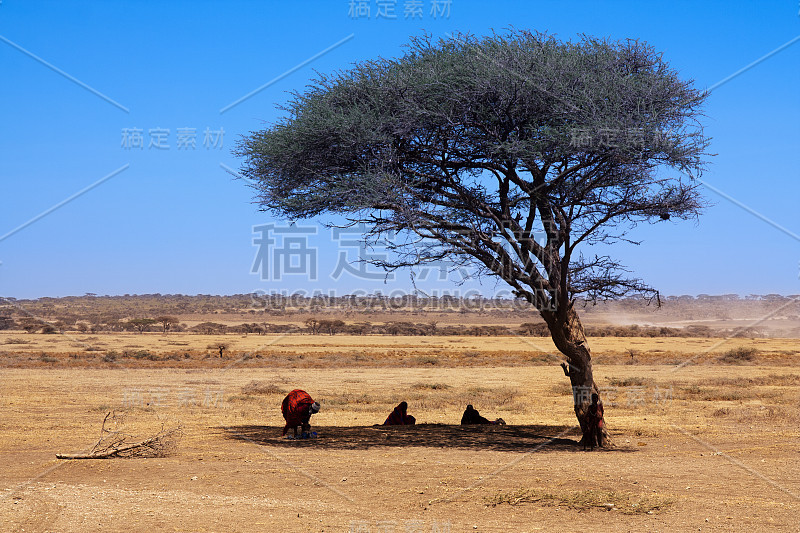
pixel 534 329
pixel 739 355
pixel 430 386
pixel 141 354
pixel 632 381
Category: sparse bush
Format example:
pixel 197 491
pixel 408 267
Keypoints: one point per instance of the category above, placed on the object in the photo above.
pixel 534 329
pixel 693 390
pixel 720 413
pixel 741 354
pixel 430 386
pixel 632 381
pixel 140 354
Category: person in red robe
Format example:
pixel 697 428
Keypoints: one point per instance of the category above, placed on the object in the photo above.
pixel 297 409
pixel 400 417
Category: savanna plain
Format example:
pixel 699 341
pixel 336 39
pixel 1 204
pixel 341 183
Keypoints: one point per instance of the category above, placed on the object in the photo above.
pixel 705 434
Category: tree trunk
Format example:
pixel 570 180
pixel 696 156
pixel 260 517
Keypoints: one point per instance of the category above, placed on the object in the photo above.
pixel 567 333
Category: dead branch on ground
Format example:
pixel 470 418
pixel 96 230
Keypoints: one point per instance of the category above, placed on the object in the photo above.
pixel 115 443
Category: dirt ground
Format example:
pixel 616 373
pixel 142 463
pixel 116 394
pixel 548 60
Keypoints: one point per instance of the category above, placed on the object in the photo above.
pixel 697 448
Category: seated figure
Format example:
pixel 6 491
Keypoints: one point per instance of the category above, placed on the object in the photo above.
pixel 472 416
pixel 297 409
pixel 400 417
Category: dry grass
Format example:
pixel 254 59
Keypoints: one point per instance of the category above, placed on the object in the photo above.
pixel 631 381
pixel 430 386
pixel 758 414
pixel 16 340
pixel 261 388
pixel 736 389
pixel 583 500
pixel 196 351
pixel 650 469
pixel 781 380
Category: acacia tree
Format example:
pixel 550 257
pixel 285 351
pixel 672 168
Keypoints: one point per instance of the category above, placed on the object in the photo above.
pixel 140 324
pixel 167 322
pixel 510 153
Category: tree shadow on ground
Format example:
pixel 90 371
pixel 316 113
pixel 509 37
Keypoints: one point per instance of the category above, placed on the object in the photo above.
pixel 478 437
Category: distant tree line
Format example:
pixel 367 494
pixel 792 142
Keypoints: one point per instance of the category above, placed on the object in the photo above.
pixel 325 326
pixel 112 311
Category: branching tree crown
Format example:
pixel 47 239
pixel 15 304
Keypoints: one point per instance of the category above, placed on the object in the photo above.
pixel 507 151
pixel 510 152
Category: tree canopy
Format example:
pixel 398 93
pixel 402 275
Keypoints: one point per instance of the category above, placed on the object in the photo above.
pixel 508 151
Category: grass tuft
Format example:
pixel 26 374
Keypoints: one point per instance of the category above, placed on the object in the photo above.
pixel 259 387
pixel 623 502
pixel 632 381
pixel 430 386
pixel 17 340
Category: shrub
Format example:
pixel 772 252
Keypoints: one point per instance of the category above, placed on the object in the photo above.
pixel 430 386
pixel 739 355
pixel 16 340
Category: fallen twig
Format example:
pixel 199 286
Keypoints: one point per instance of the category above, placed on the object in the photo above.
pixel 117 444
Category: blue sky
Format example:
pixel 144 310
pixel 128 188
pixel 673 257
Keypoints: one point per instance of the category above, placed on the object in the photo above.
pixel 172 220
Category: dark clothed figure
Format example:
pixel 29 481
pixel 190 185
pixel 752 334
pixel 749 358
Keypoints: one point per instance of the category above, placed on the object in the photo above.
pixel 472 416
pixel 400 417
pixel 595 423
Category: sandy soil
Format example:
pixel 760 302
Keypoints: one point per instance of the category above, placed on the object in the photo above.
pixel 711 448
